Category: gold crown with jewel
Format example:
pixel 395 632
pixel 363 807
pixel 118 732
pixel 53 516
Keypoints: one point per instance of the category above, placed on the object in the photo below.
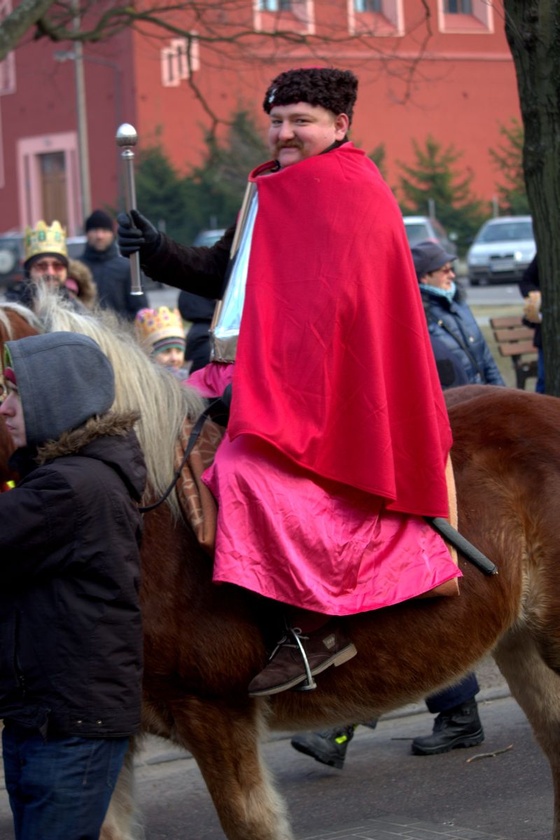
pixel 160 328
pixel 45 239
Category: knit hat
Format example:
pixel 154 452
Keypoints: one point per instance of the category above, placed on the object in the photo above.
pixel 429 256
pixel 99 219
pixel 160 329
pixel 333 89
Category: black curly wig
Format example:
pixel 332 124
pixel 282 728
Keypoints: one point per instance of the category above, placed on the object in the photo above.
pixel 333 89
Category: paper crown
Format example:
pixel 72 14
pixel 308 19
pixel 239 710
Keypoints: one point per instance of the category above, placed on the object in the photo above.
pixel 160 326
pixel 45 240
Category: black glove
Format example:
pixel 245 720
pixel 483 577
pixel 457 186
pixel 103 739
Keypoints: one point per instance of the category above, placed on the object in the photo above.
pixel 136 233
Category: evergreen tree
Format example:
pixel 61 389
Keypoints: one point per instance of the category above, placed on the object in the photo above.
pixel 436 185
pixel 215 190
pixel 508 160
pixel 161 194
pixel 211 195
pixel 379 156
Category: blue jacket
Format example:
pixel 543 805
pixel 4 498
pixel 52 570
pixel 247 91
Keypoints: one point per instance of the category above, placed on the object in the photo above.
pixel 111 273
pixel 454 324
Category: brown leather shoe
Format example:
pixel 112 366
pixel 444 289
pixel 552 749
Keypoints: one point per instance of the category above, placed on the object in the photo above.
pixel 286 668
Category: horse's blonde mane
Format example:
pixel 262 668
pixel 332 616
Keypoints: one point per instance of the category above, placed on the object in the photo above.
pixel 20 310
pixel 140 384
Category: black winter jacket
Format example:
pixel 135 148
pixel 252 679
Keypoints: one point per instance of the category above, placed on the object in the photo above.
pixel 111 273
pixel 197 269
pixel 454 324
pixel 70 624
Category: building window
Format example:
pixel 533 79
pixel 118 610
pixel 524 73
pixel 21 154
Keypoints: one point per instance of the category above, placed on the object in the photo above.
pixel 284 16
pixel 458 7
pixel 275 5
pixel 465 16
pixel 8 75
pixel 8 66
pixel 179 61
pixel 361 6
pixel 375 17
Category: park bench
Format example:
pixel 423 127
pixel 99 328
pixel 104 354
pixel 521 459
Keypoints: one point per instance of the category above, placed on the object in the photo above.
pixel 515 341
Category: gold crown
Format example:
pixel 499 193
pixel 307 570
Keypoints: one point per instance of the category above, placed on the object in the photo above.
pixel 45 240
pixel 154 325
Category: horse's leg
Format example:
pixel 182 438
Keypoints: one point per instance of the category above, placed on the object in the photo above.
pixel 224 740
pixel 121 822
pixel 536 687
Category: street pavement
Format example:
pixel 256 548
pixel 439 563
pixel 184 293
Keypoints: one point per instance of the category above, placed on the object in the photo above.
pixel 160 763
pixel 157 753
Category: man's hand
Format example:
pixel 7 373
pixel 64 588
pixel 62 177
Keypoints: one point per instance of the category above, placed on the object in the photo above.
pixel 136 233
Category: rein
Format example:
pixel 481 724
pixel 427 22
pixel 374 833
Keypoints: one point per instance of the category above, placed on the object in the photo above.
pixel 209 411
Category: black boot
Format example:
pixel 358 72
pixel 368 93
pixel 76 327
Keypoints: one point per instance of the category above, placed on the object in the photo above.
pixel 457 727
pixel 327 747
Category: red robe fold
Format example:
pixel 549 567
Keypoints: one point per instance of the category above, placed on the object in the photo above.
pixel 334 364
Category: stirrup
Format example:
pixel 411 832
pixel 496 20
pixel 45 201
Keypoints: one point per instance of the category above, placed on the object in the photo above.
pixel 309 683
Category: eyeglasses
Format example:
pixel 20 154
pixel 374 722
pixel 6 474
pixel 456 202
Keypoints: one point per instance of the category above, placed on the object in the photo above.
pixel 49 265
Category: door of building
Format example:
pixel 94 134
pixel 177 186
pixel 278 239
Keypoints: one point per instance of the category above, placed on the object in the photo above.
pixel 52 168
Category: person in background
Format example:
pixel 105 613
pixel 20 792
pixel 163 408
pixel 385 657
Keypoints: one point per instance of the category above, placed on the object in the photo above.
pixel 199 311
pixel 457 722
pixel 111 271
pixel 162 334
pixel 530 288
pixel 70 621
pixel 449 318
pixel 45 261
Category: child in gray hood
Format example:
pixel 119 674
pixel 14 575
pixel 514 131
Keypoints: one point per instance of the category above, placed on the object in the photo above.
pixel 70 625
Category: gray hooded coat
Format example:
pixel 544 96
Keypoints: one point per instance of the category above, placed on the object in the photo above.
pixel 70 625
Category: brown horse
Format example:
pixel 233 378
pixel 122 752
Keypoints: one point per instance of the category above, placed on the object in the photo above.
pixel 15 322
pixel 204 643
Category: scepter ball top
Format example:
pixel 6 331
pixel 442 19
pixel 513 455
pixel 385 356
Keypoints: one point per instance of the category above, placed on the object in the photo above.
pixel 126 135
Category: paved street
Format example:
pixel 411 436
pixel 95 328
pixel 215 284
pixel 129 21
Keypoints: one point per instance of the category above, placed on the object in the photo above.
pixel 499 790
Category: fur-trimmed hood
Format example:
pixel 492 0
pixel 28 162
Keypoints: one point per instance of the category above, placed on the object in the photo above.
pixel 87 290
pixel 111 439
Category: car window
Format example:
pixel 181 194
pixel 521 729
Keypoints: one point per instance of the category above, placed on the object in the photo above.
pixel 417 232
pixel 506 232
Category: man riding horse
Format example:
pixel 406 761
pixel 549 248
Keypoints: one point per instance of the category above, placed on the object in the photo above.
pixel 338 435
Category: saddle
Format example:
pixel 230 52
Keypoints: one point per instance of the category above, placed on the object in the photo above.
pixel 199 508
pixel 197 503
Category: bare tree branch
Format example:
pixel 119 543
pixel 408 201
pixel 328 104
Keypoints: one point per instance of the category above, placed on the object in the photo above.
pixel 16 24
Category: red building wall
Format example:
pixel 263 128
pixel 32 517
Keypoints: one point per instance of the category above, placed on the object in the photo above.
pixel 457 86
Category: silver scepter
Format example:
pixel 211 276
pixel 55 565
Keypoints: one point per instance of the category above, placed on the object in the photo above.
pixel 126 138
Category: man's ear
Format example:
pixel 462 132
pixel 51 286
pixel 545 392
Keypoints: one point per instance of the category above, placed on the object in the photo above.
pixel 342 124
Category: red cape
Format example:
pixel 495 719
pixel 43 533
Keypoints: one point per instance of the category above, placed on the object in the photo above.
pixel 334 364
